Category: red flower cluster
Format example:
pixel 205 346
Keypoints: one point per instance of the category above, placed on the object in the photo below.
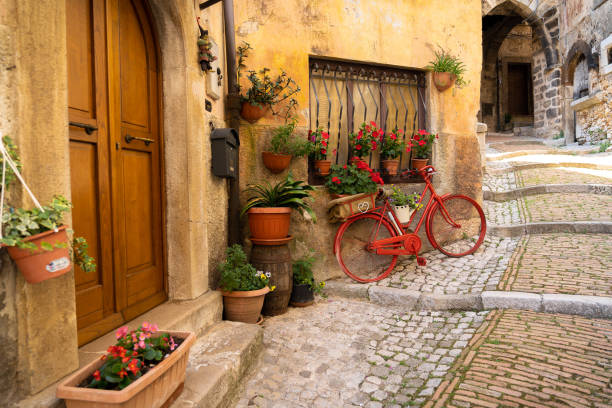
pixel 362 165
pixel 319 139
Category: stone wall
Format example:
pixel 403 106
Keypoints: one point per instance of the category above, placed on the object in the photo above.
pixel 547 98
pixel 284 33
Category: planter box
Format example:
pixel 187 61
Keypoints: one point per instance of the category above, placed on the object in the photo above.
pixel 346 206
pixel 157 388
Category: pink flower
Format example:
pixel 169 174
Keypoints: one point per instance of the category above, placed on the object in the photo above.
pixel 142 344
pixel 121 332
pixel 422 132
pixel 145 325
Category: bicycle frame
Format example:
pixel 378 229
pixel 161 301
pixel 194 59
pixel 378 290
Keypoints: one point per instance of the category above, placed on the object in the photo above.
pixel 406 243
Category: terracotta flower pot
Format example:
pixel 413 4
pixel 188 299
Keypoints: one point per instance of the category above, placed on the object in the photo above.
pixel 269 222
pixel 302 295
pixel 275 162
pixel 322 167
pixel 244 306
pixel 157 388
pixel 418 164
pixel 40 265
pixel 252 113
pixel 443 80
pixel 391 166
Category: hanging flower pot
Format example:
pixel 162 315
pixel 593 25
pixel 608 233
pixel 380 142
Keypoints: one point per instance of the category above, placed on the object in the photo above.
pixel 443 80
pixel 418 164
pixel 252 113
pixel 40 264
pixel 244 306
pixel 391 166
pixel 275 162
pixel 322 167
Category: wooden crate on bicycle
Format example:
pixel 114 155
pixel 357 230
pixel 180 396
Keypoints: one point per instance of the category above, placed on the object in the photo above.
pixel 342 208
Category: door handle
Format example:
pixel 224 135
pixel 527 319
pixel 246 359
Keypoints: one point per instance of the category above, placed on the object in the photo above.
pixel 129 138
pixel 89 129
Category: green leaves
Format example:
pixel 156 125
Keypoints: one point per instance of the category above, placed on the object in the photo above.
pixel 237 274
pixel 348 179
pixel 446 62
pixel 284 141
pixel 287 193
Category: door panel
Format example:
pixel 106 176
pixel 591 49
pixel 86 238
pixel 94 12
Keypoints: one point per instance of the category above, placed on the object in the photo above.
pixel 116 185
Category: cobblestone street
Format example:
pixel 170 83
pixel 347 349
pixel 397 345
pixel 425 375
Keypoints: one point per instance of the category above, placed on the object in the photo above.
pixel 359 353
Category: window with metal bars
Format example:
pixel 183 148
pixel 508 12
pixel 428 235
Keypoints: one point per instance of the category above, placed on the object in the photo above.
pixel 345 94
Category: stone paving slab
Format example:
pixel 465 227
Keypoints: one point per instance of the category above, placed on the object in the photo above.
pixel 578 264
pixel 568 207
pixel 343 353
pixel 504 212
pixel 529 359
pixel 557 176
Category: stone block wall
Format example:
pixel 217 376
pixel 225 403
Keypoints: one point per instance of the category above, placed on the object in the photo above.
pixel 547 97
pixel 596 121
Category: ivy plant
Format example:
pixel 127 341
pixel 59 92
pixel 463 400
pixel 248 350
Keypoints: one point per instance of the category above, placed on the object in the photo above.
pixel 11 149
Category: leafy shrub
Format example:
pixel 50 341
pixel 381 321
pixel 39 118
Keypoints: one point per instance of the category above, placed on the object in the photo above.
pixel 604 146
pixel 392 147
pixel 319 140
pixel 366 139
pixel 353 178
pixel 285 141
pixel 422 143
pixel 239 275
pixel 302 274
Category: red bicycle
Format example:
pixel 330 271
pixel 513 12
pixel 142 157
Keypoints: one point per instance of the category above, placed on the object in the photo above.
pixel 367 245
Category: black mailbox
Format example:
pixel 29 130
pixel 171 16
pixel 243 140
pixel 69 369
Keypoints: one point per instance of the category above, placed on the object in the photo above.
pixel 225 144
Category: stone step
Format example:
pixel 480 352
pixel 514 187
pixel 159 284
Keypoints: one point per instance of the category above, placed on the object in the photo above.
pixel 218 362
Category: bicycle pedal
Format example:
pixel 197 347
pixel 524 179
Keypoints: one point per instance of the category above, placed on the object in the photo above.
pixel 421 261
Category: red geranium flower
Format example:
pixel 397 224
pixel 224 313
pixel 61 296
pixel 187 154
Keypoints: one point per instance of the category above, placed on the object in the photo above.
pixel 325 135
pixel 357 147
pixel 336 180
pixel 323 151
pixel 367 128
pixel 392 136
pixel 408 148
pixel 422 132
pixel 416 137
pixel 324 143
pixel 373 123
pixel 422 142
pixel 96 375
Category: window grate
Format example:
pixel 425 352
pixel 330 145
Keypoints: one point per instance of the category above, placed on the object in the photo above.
pixel 345 94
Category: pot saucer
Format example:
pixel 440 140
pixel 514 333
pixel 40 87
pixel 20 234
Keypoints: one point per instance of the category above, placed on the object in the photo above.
pixel 281 241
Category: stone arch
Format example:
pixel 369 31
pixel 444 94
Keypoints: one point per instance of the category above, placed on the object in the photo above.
pixel 580 48
pixel 524 11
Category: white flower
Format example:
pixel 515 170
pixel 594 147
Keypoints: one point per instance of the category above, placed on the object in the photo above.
pixel 268 275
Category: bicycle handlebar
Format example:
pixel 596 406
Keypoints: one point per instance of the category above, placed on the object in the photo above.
pixel 425 172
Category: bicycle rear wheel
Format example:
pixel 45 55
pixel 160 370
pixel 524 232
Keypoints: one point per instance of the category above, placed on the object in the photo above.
pixel 351 248
pixel 466 236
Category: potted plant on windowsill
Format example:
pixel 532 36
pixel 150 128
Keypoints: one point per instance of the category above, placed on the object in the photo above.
pixel 269 207
pixel 243 288
pixel 145 368
pixel 390 151
pixel 365 140
pixel 284 145
pixel 353 188
pixel 264 92
pixel 304 284
pixel 404 204
pixel 421 145
pixel 319 143
pixel 447 70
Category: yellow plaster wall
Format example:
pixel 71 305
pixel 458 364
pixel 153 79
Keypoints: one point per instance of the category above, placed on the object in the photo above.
pixel 405 33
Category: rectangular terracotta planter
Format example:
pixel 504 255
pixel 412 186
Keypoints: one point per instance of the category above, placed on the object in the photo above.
pixel 155 389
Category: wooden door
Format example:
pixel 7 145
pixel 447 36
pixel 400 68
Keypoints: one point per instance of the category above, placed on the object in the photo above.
pixel 518 88
pixel 115 153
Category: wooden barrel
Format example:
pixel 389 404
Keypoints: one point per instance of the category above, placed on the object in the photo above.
pixel 275 259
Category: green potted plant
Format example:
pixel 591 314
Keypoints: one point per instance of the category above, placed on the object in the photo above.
pixel 404 204
pixel 36 239
pixel 353 188
pixel 264 91
pixel 365 140
pixel 304 284
pixel 421 145
pixel 243 288
pixel 284 145
pixel 447 70
pixel 390 150
pixel 319 147
pixel 269 207
pixel 145 367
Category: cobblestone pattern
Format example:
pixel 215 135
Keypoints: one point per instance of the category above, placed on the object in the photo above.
pixel 556 176
pixel 528 359
pixel 499 182
pixel 344 353
pixel 504 213
pixel 577 264
pixel 568 207
pixel 445 275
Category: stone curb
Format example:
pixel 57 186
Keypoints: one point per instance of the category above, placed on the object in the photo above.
pixel 587 306
pixel 507 195
pixel 530 166
pixel 509 155
pixel 578 227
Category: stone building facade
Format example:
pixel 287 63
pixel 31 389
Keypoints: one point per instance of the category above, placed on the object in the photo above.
pixel 47 328
pixel 570 81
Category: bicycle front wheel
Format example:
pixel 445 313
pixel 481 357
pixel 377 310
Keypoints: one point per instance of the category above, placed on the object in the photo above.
pixel 351 247
pixel 457 227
